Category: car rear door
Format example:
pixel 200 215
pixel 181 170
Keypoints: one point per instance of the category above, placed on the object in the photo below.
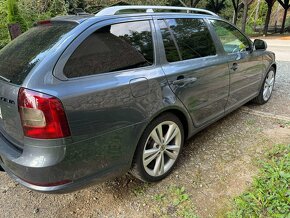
pixel 194 68
pixel 245 65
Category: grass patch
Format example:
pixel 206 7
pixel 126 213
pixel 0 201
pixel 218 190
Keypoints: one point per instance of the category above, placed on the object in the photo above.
pixel 269 195
pixel 140 190
pixel 174 203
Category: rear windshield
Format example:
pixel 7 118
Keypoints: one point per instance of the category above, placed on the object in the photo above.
pixel 22 54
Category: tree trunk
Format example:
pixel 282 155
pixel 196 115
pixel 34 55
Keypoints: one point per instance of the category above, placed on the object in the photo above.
pixel 194 3
pixel 277 17
pixel 236 10
pixel 235 18
pixel 257 14
pixel 284 19
pixel 245 16
pixel 267 21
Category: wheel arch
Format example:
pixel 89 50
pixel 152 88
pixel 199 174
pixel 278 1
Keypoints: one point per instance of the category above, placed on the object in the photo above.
pixel 182 115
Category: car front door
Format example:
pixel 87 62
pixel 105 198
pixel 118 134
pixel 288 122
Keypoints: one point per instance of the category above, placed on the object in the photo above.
pixel 196 72
pixel 245 65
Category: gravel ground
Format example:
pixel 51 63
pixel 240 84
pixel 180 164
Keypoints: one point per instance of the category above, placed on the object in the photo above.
pixel 216 165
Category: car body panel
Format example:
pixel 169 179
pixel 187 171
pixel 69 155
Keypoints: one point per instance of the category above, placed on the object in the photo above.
pixel 10 124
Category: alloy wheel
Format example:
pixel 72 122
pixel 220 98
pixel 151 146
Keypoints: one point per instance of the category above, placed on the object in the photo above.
pixel 162 148
pixel 268 85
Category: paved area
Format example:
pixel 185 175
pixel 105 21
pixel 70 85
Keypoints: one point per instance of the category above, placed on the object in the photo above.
pixel 216 165
pixel 281 48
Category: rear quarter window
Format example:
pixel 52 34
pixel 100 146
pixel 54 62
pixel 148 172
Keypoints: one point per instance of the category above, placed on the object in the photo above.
pixel 22 54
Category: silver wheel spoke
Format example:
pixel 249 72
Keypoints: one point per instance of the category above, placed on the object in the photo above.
pixel 271 82
pixel 171 155
pixel 150 159
pixel 162 164
pixel 155 137
pixel 265 92
pixel 172 147
pixel 160 133
pixel 156 169
pixel 171 133
pixel 150 152
pixel 268 92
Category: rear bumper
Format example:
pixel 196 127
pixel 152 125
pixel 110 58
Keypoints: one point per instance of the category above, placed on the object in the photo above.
pixel 58 175
pixel 64 188
pixel 34 164
pixel 67 167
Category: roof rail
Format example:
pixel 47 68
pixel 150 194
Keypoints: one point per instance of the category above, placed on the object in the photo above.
pixel 150 9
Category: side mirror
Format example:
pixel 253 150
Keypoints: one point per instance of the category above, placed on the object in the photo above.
pixel 260 44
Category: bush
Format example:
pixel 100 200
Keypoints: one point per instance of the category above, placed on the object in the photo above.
pixel 4 35
pixel 14 16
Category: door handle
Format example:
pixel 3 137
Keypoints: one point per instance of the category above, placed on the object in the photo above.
pixel 183 81
pixel 235 66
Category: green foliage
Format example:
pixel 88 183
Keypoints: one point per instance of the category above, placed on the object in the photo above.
pixel 34 11
pixel 180 195
pixel 175 203
pixel 27 12
pixel 261 14
pixel 4 35
pixel 269 195
pixel 14 15
pixel 216 5
pixel 287 23
pixel 140 190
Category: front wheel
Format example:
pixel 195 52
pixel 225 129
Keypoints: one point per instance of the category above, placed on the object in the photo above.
pixel 158 149
pixel 267 88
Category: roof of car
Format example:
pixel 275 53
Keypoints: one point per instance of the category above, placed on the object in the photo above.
pixel 113 12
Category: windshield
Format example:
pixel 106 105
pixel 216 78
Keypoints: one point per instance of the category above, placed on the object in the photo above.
pixel 22 54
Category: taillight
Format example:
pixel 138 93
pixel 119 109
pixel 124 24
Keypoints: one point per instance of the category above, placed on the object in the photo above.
pixel 42 115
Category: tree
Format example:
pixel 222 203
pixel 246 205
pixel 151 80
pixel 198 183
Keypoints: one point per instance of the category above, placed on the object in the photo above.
pixel 286 6
pixel 270 4
pixel 4 35
pixel 58 7
pixel 184 3
pixel 216 5
pixel 193 3
pixel 236 10
pixel 246 4
pixel 14 16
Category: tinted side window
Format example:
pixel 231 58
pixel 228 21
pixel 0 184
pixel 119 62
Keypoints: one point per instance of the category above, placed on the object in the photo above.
pixel 112 48
pixel 231 38
pixel 191 37
pixel 169 42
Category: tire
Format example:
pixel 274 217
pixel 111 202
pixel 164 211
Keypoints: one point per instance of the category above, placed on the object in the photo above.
pixel 268 84
pixel 148 167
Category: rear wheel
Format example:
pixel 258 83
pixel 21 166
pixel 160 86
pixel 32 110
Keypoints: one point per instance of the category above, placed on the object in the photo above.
pixel 267 88
pixel 158 149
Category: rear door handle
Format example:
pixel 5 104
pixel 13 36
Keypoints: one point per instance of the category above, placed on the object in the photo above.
pixel 184 81
pixel 235 66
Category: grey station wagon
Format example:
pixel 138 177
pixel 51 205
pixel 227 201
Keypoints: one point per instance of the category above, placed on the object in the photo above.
pixel 89 97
